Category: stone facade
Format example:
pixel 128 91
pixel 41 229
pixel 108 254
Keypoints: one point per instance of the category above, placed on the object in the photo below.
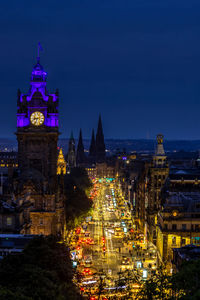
pixel 37 188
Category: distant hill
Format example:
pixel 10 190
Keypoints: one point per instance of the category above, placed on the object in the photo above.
pixel 118 144
pixel 140 145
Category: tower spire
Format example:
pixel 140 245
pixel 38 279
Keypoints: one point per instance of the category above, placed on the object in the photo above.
pixel 71 155
pixel 100 145
pixel 92 150
pixel 71 136
pixel 39 48
pixel 80 155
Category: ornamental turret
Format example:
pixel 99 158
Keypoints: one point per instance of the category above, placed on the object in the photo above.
pixel 159 158
pixel 61 163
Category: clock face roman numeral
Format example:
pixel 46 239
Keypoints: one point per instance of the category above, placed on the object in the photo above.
pixel 37 118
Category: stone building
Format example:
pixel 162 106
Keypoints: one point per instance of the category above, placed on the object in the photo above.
pixel 179 219
pixel 157 174
pixel 36 188
pixel 148 186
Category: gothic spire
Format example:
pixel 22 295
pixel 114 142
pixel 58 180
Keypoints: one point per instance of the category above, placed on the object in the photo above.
pixel 100 145
pixel 80 155
pixel 92 150
pixel 71 155
pixel 71 136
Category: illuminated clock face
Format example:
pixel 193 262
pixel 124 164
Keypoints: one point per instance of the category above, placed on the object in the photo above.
pixel 37 118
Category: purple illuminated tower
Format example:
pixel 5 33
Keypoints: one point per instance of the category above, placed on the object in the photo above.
pixel 37 127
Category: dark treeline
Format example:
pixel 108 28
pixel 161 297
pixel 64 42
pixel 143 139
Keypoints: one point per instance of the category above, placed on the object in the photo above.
pixel 42 271
pixel 78 204
pixel 184 285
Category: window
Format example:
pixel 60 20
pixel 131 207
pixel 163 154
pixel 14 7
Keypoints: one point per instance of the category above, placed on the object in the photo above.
pixel 9 221
pixel 196 240
pixel 173 226
pixel 165 226
pixel 183 226
pixel 173 240
pixel 196 227
pixel 183 242
pixel 41 221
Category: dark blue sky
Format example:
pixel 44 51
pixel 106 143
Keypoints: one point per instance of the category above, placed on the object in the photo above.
pixel 135 61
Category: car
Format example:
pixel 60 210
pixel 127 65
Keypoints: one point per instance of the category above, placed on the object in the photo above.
pixel 126 260
pixel 118 232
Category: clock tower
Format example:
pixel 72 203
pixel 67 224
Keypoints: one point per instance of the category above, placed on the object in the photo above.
pixel 37 127
pixel 37 189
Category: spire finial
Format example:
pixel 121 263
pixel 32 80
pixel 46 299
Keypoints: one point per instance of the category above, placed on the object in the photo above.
pixel 39 48
pixel 71 136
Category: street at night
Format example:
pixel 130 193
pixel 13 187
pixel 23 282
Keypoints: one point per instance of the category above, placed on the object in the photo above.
pixel 100 150
pixel 112 257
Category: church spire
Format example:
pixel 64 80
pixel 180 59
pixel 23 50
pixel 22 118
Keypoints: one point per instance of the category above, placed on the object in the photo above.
pixel 71 136
pixel 71 155
pixel 80 155
pixel 92 150
pixel 100 145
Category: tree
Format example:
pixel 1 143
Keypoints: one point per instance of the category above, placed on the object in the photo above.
pixel 42 271
pixel 77 204
pixel 186 283
pixel 158 286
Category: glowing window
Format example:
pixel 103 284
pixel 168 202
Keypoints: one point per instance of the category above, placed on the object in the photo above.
pixel 9 221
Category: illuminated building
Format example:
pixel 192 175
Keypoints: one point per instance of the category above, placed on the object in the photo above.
pixel 105 170
pixel 36 187
pixel 148 188
pixel 91 171
pixel 179 218
pixel 8 165
pixel 157 175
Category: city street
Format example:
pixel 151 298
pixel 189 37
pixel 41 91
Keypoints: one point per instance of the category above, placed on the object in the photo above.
pixel 111 256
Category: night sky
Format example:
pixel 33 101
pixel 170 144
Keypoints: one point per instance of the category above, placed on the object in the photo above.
pixel 137 62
